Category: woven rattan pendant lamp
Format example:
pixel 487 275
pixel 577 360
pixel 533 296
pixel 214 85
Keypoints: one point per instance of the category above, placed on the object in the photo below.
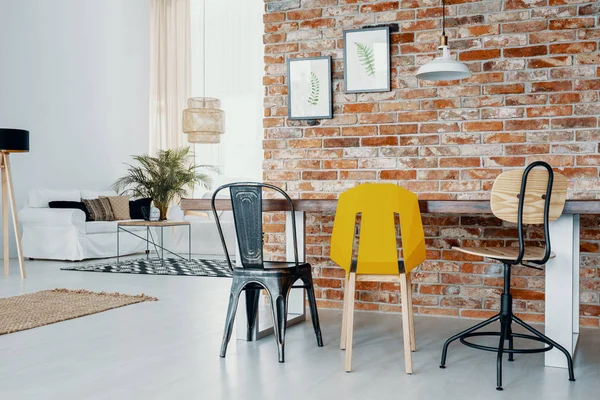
pixel 203 120
pixel 443 68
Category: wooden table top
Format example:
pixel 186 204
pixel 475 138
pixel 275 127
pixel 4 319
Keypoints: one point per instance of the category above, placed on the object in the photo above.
pixel 152 223
pixel 427 206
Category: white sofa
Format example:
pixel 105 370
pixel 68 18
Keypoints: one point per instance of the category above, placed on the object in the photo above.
pixel 63 234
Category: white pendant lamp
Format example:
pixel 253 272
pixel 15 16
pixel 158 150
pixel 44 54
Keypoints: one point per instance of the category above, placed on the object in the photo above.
pixel 443 68
pixel 203 120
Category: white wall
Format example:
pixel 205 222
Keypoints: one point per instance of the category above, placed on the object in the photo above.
pixel 234 71
pixel 74 73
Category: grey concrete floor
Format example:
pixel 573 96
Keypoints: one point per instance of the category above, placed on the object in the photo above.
pixel 170 350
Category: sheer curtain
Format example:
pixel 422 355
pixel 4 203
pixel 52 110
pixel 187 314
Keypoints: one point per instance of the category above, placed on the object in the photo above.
pixel 234 73
pixel 170 81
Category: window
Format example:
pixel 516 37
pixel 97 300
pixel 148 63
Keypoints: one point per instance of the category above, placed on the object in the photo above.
pixel 234 71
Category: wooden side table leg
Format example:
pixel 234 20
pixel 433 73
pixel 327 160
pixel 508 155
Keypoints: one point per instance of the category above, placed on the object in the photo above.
pixel 5 218
pixel 13 207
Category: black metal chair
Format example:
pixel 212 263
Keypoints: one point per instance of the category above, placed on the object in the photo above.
pixel 521 197
pixel 276 277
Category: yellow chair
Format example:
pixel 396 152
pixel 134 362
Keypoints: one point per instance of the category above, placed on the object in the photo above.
pixel 378 260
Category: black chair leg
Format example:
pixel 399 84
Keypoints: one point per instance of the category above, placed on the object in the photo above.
pixel 503 336
pixel 234 296
pixel 314 315
pixel 252 298
pixel 552 342
pixel 465 332
pixel 510 340
pixel 279 308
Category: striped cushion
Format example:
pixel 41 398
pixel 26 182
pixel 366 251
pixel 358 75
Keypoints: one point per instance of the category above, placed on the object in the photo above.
pixel 99 209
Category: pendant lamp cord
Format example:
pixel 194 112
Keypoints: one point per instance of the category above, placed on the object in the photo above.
pixel 204 54
pixel 443 18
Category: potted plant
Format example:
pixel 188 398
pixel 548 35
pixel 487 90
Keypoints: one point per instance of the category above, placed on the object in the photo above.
pixel 164 178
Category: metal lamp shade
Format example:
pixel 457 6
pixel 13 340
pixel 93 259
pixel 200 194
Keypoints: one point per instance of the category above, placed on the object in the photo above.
pixel 14 140
pixel 203 120
pixel 443 68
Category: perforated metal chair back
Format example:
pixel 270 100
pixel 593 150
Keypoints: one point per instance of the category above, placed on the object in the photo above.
pixel 246 202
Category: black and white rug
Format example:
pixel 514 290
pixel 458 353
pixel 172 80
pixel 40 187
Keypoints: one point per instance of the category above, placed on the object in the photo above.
pixel 154 266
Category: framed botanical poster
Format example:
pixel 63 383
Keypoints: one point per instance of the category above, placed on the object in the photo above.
pixel 310 89
pixel 367 60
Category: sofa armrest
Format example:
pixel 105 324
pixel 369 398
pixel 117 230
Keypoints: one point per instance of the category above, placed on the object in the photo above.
pixel 51 217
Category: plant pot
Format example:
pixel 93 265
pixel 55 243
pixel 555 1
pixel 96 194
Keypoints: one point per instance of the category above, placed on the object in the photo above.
pixel 163 208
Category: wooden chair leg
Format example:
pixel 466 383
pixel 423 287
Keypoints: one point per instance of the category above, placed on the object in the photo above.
pixel 406 323
pixel 350 320
pixel 344 314
pixel 413 342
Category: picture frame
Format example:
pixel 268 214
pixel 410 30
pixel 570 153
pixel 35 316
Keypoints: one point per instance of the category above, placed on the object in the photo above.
pixel 367 60
pixel 310 89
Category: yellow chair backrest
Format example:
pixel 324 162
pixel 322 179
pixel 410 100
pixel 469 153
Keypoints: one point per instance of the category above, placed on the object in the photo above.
pixel 377 251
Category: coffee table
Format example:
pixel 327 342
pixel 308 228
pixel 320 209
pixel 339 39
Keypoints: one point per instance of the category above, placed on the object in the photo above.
pixel 149 239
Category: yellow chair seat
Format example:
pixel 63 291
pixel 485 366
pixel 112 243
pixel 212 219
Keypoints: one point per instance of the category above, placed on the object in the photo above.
pixel 506 253
pixel 377 266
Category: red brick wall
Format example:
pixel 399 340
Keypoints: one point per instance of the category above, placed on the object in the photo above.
pixel 533 96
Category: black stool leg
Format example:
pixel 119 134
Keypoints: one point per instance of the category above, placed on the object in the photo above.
pixel 552 342
pixel 510 340
pixel 252 297
pixel 234 296
pixel 465 332
pixel 314 315
pixel 503 336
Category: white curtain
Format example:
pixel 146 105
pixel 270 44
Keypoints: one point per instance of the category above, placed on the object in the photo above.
pixel 170 81
pixel 235 25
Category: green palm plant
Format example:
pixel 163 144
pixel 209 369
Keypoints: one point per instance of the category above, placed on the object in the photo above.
pixel 166 177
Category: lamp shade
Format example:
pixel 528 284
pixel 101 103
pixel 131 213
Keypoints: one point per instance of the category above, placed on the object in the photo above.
pixel 203 120
pixel 443 68
pixel 14 140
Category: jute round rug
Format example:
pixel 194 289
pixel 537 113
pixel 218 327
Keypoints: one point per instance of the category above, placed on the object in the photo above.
pixel 28 311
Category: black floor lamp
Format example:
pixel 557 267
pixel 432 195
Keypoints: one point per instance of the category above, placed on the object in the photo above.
pixel 11 141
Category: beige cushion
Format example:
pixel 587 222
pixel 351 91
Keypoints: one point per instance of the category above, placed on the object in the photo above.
pixel 119 206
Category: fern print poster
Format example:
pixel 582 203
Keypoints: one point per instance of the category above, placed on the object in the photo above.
pixel 367 60
pixel 309 91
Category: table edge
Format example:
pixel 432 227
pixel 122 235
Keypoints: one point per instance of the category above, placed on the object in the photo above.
pixel 427 206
